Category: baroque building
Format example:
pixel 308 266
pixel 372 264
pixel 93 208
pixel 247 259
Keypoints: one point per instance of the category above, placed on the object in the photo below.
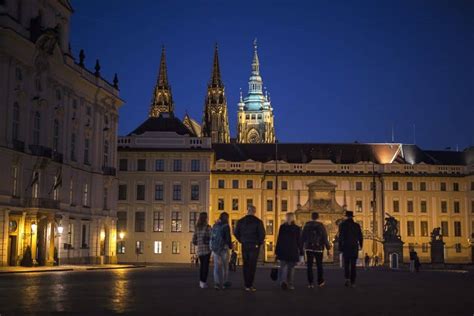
pixel 255 112
pixel 164 173
pixel 215 122
pixel 57 142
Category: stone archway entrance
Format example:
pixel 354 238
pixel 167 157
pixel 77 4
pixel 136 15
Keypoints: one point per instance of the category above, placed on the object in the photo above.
pixel 322 199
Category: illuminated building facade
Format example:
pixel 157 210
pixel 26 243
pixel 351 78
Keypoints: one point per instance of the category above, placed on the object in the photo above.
pixel 57 142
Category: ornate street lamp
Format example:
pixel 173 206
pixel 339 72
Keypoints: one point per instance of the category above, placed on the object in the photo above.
pixel 121 235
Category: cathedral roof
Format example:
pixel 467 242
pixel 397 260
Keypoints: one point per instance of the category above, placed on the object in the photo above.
pixel 192 125
pixel 381 153
pixel 163 123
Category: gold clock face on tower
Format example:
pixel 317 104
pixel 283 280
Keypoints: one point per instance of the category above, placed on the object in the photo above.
pixel 253 137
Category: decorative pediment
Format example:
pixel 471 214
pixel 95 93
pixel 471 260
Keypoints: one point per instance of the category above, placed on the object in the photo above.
pixel 322 184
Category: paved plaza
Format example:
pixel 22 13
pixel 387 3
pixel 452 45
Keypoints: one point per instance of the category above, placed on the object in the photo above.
pixel 173 291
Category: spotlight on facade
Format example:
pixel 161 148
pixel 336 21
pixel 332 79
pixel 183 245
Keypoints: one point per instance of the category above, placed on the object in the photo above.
pixel 33 227
pixel 121 235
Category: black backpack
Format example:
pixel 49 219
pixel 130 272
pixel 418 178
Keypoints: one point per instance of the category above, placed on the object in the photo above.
pixel 314 237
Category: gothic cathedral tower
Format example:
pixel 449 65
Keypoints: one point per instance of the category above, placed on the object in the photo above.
pixel 162 100
pixel 215 122
pixel 255 112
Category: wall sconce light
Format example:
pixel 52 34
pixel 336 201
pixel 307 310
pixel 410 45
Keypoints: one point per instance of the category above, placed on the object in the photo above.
pixel 60 230
pixel 34 226
pixel 121 235
pixel 102 235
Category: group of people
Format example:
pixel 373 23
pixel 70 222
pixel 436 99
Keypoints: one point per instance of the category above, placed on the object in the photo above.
pixel 292 245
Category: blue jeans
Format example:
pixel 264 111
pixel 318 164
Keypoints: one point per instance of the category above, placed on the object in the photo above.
pixel 286 272
pixel 221 267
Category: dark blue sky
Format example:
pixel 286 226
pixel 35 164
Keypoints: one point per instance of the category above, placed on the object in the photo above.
pixel 337 71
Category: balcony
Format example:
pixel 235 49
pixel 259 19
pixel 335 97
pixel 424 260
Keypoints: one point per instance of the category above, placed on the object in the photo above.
pixel 41 203
pixel 57 157
pixel 109 171
pixel 18 145
pixel 41 151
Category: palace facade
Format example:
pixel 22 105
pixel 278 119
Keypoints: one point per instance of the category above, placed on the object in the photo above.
pixel 57 142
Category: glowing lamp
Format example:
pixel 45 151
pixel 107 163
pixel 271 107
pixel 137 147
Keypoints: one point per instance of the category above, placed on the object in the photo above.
pixel 60 229
pixel 102 235
pixel 33 227
pixel 121 235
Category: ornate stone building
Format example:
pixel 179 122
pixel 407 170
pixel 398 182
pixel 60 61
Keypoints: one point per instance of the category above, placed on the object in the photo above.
pixel 162 99
pixel 57 142
pixel 215 122
pixel 164 173
pixel 255 112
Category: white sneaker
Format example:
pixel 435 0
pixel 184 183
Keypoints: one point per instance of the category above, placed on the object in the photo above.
pixel 202 285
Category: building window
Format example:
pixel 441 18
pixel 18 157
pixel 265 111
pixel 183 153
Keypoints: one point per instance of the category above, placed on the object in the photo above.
pixel 410 206
pixel 123 164
pixel 410 228
pixel 220 183
pixel 141 164
pixel 409 186
pixel 16 122
pixel 36 128
pixel 456 207
pixel 139 222
pixel 122 193
pixel 455 186
pixel 457 246
pixel 444 207
pixel 140 192
pixel 176 222
pixel 444 228
pixel 424 228
pixel 157 247
pixel 159 165
pixel 71 192
pixel 194 192
pixel 249 203
pixel 269 185
pixel 139 246
pixel 269 205
pixel 193 216
pixel 235 184
pixel 86 151
pixel 73 147
pixel 85 236
pixel 395 186
pixel 443 186
pixel 284 185
pixel 422 186
pixel 121 221
pixel 284 205
pixel 159 192
pixel 177 165
pixel 175 247
pixel 195 165
pixel 396 206
pixel 472 209
pixel 106 153
pixel 358 186
pixel 158 221
pixel 457 229
pixel 85 200
pixel 220 204
pixel 249 184
pixel 56 135
pixel 423 207
pixel 176 192
pixel 235 204
pixel 358 206
pixel 121 247
pixel 269 227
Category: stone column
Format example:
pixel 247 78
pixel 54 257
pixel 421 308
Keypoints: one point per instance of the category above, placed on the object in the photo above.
pixel 50 258
pixel 33 239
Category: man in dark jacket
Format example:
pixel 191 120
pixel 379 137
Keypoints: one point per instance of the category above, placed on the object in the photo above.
pixel 350 241
pixel 250 232
pixel 315 240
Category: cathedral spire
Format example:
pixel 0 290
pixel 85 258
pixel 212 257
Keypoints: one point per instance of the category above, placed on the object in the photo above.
pixel 255 61
pixel 216 80
pixel 162 99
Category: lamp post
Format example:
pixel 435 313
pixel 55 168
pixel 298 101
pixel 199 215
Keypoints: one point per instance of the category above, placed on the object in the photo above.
pixel 60 229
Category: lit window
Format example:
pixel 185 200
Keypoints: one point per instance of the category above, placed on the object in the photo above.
pixel 175 247
pixel 158 221
pixel 176 225
pixel 157 247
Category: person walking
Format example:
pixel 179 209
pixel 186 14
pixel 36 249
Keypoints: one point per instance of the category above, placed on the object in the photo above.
pixel 201 239
pixel 315 240
pixel 350 241
pixel 414 261
pixel 250 232
pixel 289 250
pixel 376 260
pixel 220 244
pixel 366 261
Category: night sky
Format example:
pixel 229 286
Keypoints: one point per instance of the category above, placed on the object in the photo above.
pixel 337 71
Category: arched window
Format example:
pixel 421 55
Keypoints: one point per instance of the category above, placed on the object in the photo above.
pixel 36 128
pixel 56 135
pixel 16 122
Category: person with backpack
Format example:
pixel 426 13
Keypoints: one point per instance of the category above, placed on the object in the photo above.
pixel 289 250
pixel 250 232
pixel 315 240
pixel 201 239
pixel 350 241
pixel 221 242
